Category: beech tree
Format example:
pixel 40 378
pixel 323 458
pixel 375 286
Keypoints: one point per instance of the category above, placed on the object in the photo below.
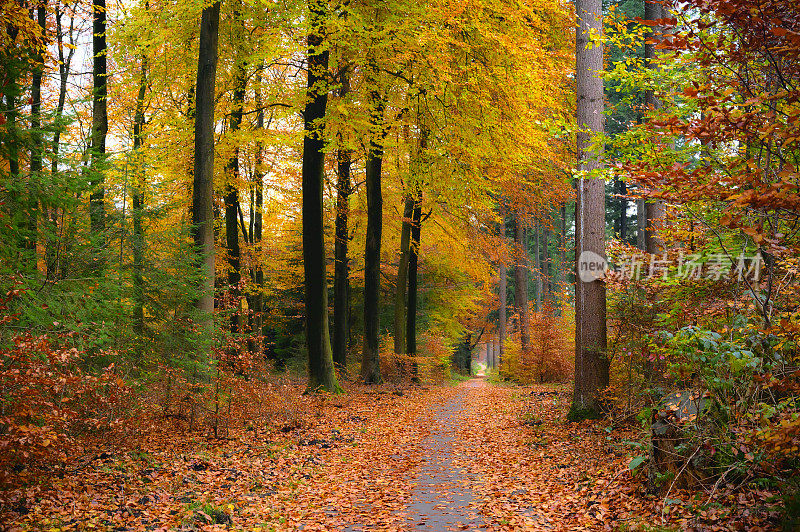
pixel 341 274
pixel 321 374
pixel 203 189
pixel 97 209
pixel 591 362
pixel 655 211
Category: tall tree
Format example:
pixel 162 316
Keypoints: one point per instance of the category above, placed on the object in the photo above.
pixel 370 361
pixel 402 277
pixel 138 204
pixel 502 288
pixel 413 278
pixel 341 268
pixel 203 174
pixel 37 143
pixel 521 279
pixel 655 211
pixel 591 363
pixel 256 233
pixel 64 63
pixel 321 374
pixel 232 197
pixel 97 209
pixel 539 266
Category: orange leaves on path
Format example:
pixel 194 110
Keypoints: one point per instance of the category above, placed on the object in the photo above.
pixel 541 472
pixel 360 462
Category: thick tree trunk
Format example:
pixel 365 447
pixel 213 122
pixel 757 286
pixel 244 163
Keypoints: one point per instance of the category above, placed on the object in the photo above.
pixel 547 267
pixel 64 62
pixel 521 281
pixel 502 288
pixel 591 364
pixel 232 206
pixel 341 269
pixel 402 277
pixel 656 211
pixel 138 208
pixel 97 209
pixel 36 146
pixel 256 234
pixel 562 243
pixel 623 210
pixel 370 362
pixel 413 282
pixel 641 224
pixel 203 174
pixel 321 374
pixel 538 269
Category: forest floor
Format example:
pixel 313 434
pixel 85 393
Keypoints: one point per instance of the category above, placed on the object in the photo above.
pixel 474 456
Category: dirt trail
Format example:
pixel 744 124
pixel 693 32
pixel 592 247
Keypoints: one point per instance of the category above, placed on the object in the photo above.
pixel 442 499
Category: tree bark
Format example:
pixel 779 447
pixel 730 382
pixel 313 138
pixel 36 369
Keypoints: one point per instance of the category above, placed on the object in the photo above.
pixel 655 211
pixel 321 374
pixel 591 363
pixel 521 281
pixel 502 288
pixel 547 267
pixel 64 62
pixel 370 362
pixel 258 223
pixel 138 199
pixel 97 209
pixel 36 146
pixel 538 269
pixel 232 204
pixel 203 174
pixel 341 273
pixel 402 277
pixel 413 281
pixel 641 224
pixel 622 190
pixel 563 251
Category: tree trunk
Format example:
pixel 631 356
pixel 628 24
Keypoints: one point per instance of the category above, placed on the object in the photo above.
pixel 341 273
pixel 36 145
pixel 641 224
pixel 232 205
pixel 97 210
pixel 370 362
pixel 64 62
pixel 521 281
pixel 623 211
pixel 258 223
pixel 502 288
pixel 591 364
pixel 538 269
pixel 402 278
pixel 547 267
pixel 203 174
pixel 656 211
pixel 137 199
pixel 562 243
pixel 321 374
pixel 413 280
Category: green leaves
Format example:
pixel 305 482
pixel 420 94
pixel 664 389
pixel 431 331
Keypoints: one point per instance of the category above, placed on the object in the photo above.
pixel 636 462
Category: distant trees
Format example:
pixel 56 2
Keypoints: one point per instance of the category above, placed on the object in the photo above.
pixel 406 121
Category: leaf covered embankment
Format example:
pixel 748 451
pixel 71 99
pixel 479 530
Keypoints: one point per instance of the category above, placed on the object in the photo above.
pixel 322 461
pixel 540 472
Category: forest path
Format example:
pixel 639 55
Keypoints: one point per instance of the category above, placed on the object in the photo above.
pixel 387 458
pixel 442 498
